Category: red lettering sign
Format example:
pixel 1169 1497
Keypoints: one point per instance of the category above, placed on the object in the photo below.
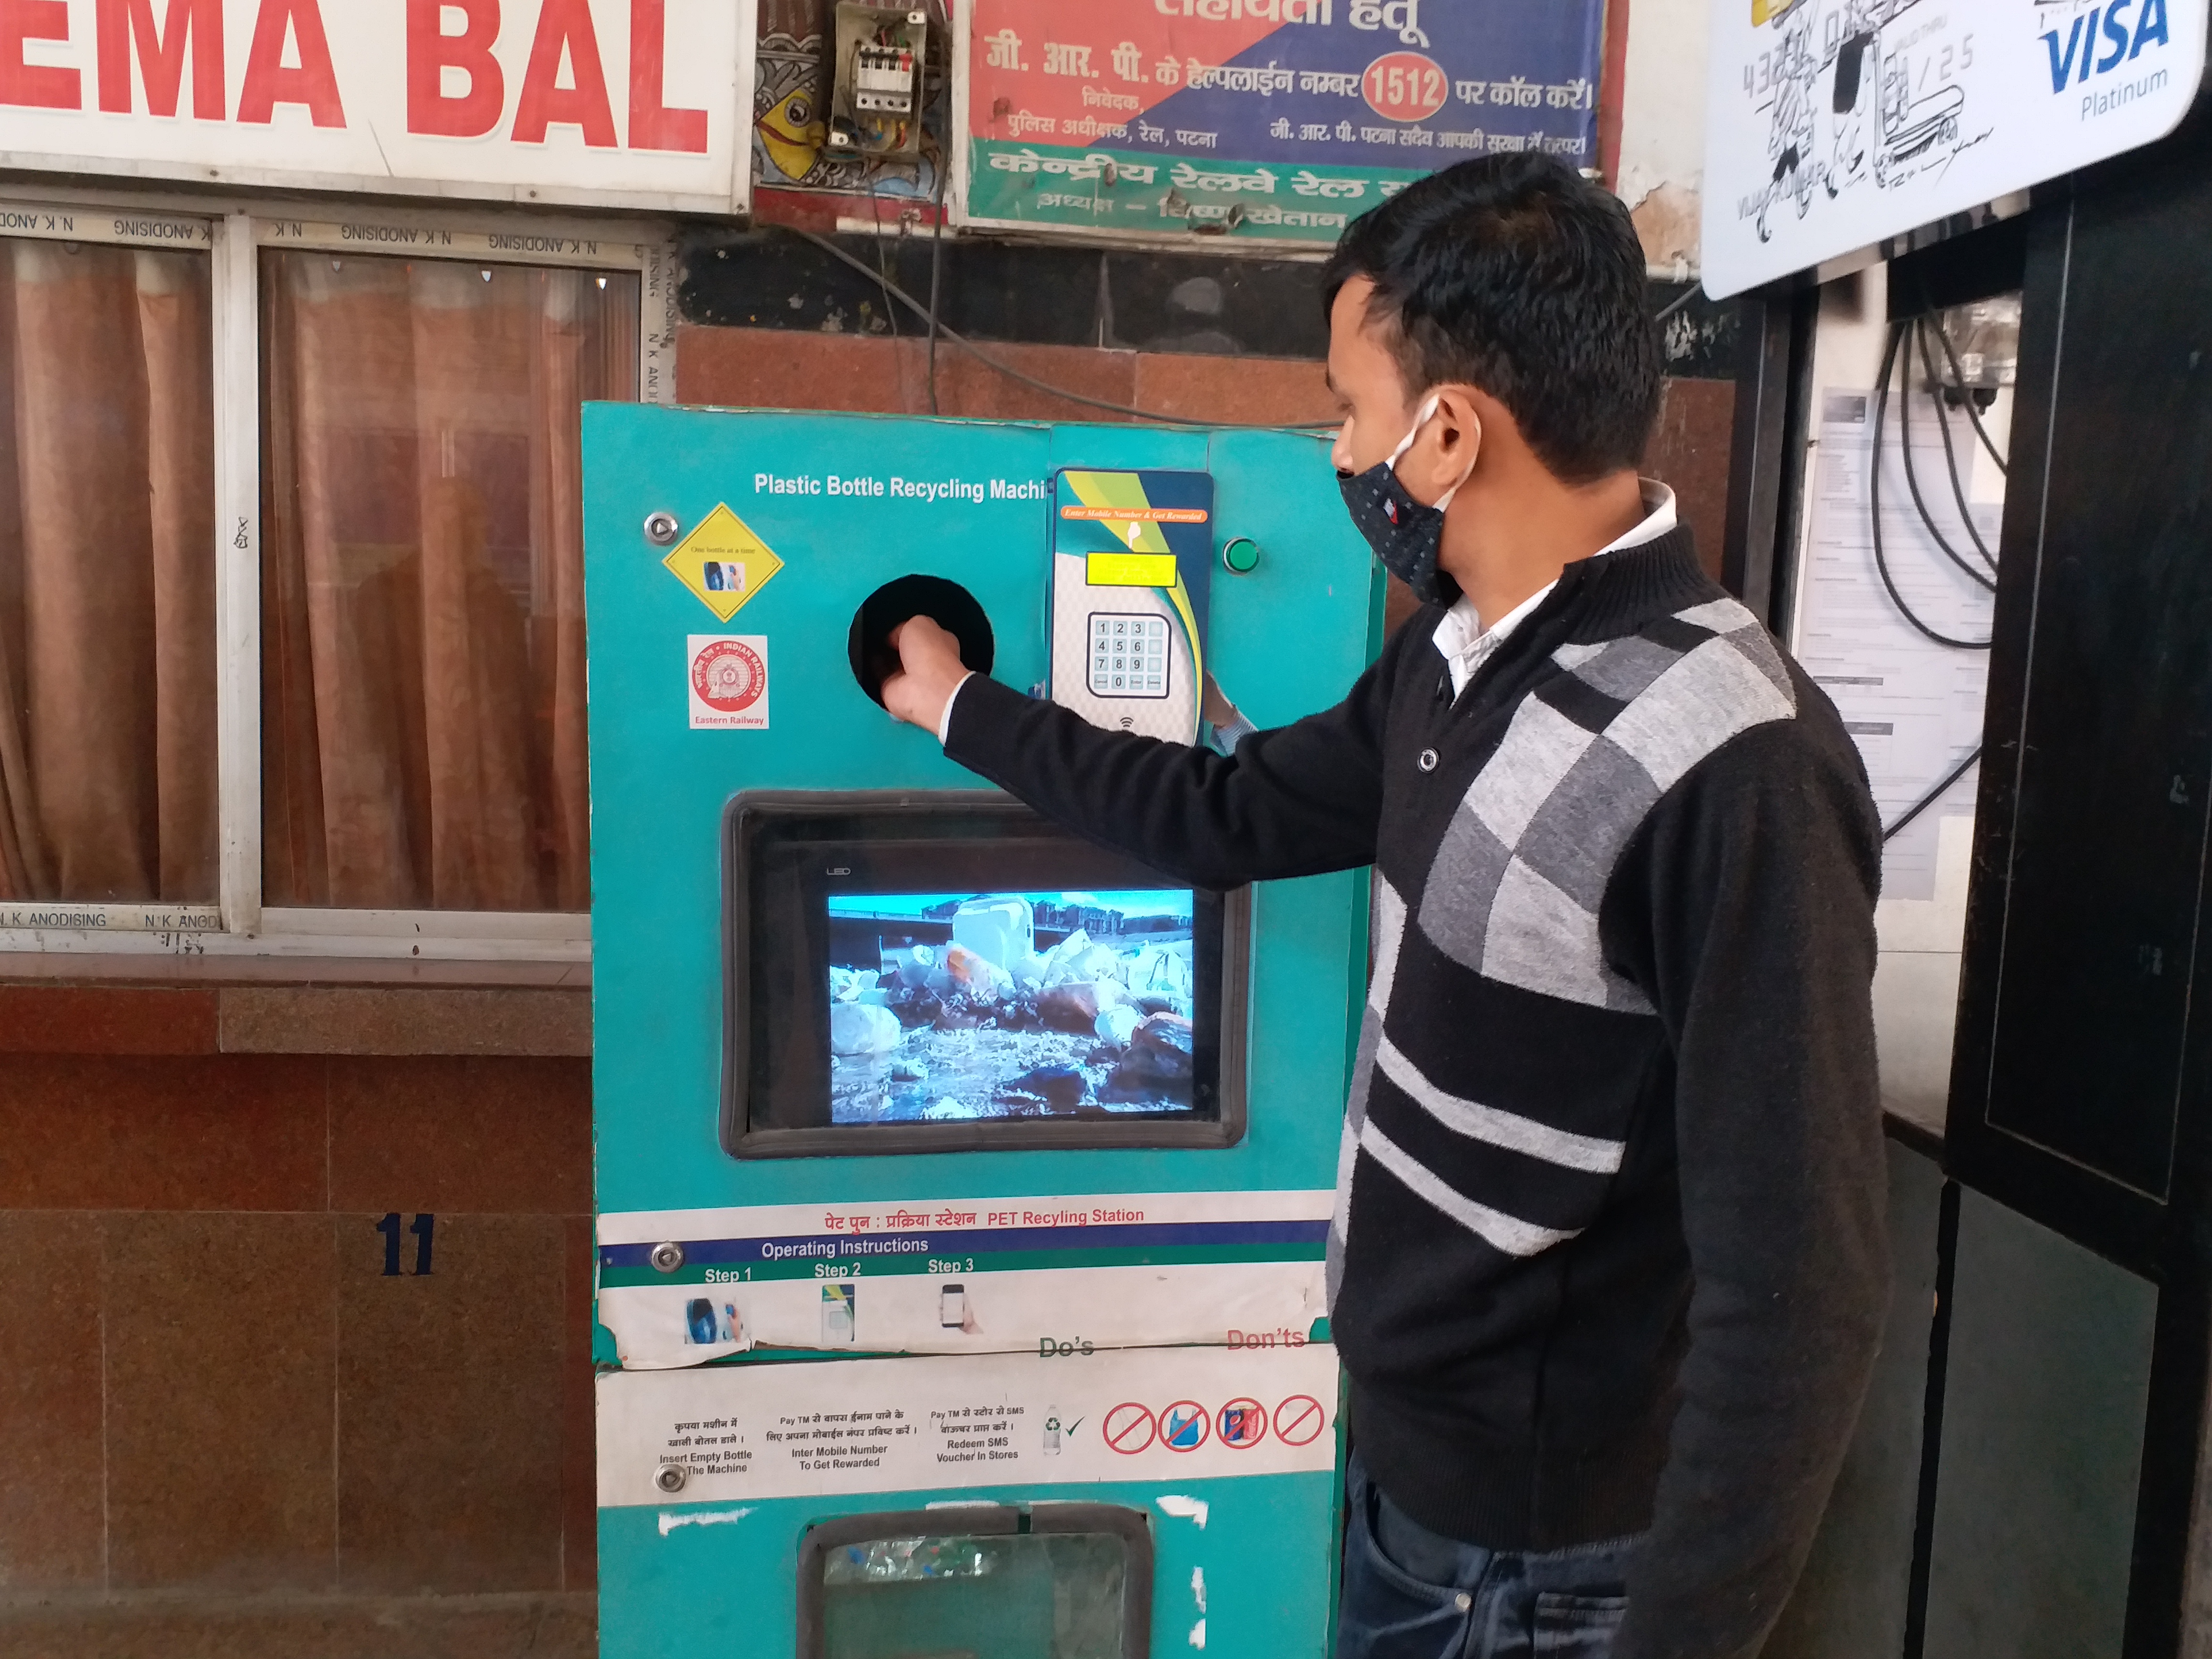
pixel 192 25
pixel 269 83
pixel 431 51
pixel 653 124
pixel 564 28
pixel 37 86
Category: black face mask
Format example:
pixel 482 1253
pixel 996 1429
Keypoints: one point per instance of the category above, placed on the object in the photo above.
pixel 1405 534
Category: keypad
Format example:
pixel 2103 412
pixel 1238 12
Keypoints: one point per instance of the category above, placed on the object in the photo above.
pixel 1129 655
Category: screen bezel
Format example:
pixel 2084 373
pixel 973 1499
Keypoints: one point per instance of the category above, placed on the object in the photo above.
pixel 947 815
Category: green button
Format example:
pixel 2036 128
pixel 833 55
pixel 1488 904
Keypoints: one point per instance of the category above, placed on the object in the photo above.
pixel 1241 555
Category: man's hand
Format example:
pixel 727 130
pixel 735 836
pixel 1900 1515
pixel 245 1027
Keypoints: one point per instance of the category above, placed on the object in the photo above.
pixel 930 671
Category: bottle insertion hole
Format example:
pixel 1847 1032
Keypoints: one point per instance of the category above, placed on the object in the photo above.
pixel 945 603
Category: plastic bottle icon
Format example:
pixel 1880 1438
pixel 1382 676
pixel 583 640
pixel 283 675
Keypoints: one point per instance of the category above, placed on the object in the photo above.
pixel 1052 1431
pixel 837 1315
pixel 699 1319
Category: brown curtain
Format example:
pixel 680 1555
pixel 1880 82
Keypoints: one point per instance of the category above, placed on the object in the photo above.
pixel 107 631
pixel 422 580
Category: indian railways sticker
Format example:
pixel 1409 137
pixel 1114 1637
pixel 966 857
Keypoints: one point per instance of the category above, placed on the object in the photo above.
pixel 728 682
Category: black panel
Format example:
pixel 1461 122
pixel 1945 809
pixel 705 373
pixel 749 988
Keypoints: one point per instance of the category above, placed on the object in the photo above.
pixel 1989 261
pixel 1773 344
pixel 2076 1064
pixel 1149 301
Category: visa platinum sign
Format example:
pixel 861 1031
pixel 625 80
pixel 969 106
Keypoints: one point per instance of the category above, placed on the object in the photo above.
pixel 586 102
pixel 1831 124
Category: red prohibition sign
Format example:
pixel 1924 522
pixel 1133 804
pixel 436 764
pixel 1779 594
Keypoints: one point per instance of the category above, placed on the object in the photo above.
pixel 1128 1428
pixel 1184 1426
pixel 1243 1423
pixel 1299 1421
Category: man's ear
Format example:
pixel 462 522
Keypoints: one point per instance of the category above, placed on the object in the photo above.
pixel 1452 443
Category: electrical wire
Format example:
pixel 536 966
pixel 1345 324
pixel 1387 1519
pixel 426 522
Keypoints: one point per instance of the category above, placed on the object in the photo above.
pixel 936 270
pixel 1676 304
pixel 1973 411
pixel 1874 503
pixel 1031 380
pixel 1950 455
pixel 1912 479
pixel 1890 831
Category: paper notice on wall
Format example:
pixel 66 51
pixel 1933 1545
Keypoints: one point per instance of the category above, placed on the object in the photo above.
pixel 751 1431
pixel 986 1275
pixel 1913 706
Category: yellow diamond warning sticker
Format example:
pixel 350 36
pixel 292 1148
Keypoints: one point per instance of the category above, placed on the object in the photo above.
pixel 723 561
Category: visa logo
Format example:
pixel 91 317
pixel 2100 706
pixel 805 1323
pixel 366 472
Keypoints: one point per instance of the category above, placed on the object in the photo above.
pixel 2071 61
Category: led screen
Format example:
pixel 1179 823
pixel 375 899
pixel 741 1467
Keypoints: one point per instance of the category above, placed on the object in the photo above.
pixel 948 1007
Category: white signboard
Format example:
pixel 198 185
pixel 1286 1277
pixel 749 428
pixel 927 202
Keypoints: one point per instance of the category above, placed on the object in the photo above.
pixel 587 102
pixel 1833 123
pixel 744 1433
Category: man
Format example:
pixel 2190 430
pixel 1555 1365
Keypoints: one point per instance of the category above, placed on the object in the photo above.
pixel 1608 1266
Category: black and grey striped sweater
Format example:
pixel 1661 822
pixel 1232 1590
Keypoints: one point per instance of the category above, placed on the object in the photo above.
pixel 1609 1252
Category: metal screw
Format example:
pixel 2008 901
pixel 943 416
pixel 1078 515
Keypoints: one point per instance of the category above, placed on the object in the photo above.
pixel 668 1257
pixel 917 17
pixel 1427 762
pixel 660 528
pixel 671 1477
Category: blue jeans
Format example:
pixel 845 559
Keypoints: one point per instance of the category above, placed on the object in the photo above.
pixel 1410 1594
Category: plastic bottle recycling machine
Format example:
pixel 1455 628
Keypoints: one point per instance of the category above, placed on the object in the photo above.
pixel 961 1185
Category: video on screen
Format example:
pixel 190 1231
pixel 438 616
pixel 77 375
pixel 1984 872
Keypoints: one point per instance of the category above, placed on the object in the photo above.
pixel 994 1006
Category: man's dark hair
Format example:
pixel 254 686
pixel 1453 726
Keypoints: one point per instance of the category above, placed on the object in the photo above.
pixel 1516 275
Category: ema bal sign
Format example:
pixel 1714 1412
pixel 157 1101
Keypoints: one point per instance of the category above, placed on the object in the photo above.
pixel 592 102
pixel 1832 124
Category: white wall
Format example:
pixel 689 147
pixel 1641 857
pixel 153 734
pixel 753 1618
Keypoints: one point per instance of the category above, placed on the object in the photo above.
pixel 1662 129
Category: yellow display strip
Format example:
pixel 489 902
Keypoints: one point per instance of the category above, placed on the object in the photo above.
pixel 1130 570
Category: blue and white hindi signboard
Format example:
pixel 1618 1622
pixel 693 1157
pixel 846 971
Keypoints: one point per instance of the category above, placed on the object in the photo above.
pixel 1260 119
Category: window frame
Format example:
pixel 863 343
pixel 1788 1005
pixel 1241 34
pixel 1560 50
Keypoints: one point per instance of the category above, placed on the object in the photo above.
pixel 235 231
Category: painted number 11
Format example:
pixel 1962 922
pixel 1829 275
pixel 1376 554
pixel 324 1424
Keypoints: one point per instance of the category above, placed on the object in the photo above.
pixel 421 1228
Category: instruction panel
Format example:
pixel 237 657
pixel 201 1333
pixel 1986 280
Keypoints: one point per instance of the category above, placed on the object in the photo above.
pixel 965 1275
pixel 764 1430
pixel 1913 707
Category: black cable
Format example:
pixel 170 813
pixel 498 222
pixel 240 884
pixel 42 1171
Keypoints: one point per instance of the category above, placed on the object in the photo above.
pixel 936 266
pixel 1950 455
pixel 1973 413
pixel 1675 304
pixel 882 279
pixel 1013 374
pixel 1890 831
pixel 1874 503
pixel 1912 478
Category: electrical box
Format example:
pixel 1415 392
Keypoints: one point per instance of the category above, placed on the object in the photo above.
pixel 877 77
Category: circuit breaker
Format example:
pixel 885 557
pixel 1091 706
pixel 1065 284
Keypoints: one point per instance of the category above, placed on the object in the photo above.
pixel 876 81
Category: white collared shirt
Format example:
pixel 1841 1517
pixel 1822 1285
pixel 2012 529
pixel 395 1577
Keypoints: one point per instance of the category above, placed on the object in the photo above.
pixel 1465 644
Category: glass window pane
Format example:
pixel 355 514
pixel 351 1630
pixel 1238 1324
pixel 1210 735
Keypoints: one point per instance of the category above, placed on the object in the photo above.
pixel 422 613
pixel 107 634
pixel 1057 1594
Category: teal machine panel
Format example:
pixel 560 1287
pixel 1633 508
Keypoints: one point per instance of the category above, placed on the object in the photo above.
pixel 963 1187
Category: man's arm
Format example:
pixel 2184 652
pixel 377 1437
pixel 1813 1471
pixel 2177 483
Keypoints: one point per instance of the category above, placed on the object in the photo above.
pixel 1757 879
pixel 1295 801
